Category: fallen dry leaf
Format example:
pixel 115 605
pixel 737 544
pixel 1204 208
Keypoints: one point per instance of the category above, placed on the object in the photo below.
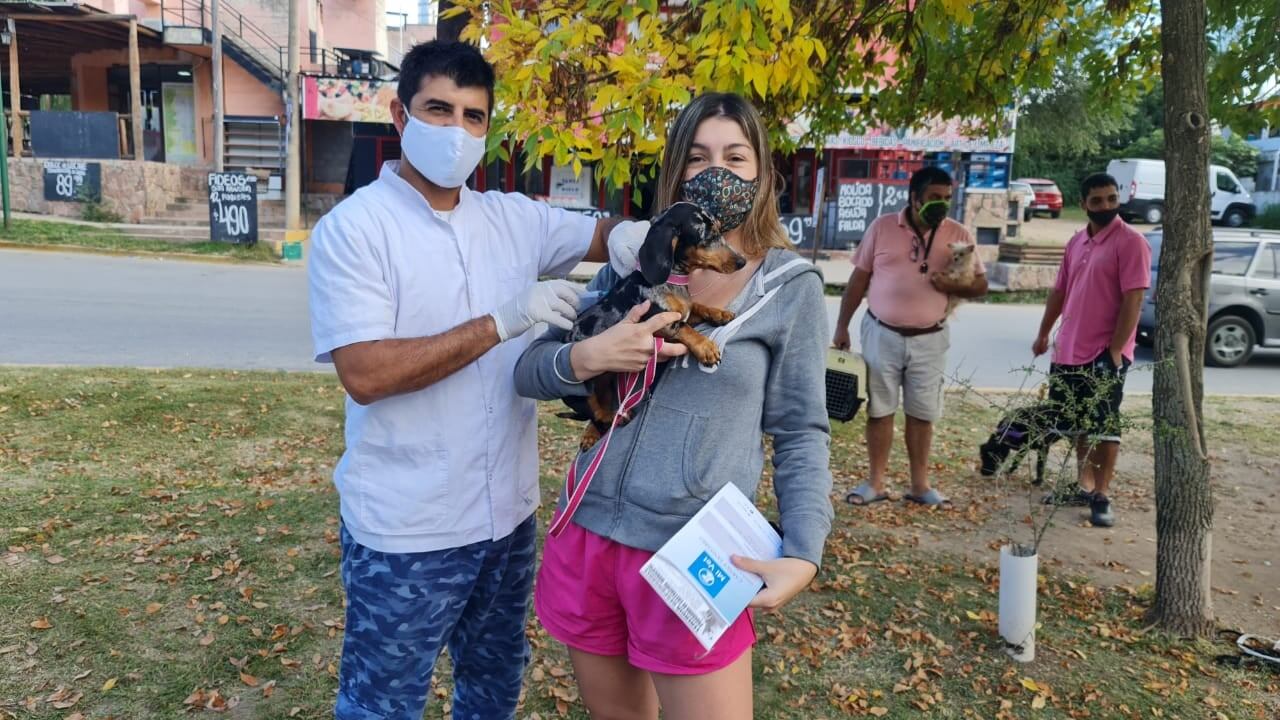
pixel 67 701
pixel 1030 684
pixel 108 684
pixel 249 680
pixel 41 624
pixel 1038 703
pixel 153 608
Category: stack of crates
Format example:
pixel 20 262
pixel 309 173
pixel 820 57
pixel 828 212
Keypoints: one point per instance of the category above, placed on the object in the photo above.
pixel 988 171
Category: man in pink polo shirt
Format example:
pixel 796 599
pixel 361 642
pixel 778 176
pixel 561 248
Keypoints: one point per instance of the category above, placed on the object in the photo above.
pixel 1105 272
pixel 904 333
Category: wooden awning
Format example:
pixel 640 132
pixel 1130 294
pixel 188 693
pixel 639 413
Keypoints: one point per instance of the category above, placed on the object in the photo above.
pixel 49 34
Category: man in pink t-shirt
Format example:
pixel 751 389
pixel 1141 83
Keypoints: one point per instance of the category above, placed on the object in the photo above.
pixel 1105 272
pixel 904 333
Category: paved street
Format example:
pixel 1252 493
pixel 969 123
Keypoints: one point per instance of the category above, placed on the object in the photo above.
pixel 74 309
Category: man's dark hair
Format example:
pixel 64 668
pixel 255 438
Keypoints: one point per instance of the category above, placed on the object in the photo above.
pixel 1096 180
pixel 926 176
pixel 460 62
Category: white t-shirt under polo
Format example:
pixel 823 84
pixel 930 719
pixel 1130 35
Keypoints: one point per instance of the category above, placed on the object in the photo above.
pixel 456 462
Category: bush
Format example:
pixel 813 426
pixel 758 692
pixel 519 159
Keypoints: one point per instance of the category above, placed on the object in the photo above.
pixel 95 211
pixel 1269 218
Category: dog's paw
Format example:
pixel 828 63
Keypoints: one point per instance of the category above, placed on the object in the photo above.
pixel 716 316
pixel 590 436
pixel 706 352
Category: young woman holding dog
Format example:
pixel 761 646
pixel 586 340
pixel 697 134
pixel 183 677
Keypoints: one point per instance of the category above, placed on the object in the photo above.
pixel 699 430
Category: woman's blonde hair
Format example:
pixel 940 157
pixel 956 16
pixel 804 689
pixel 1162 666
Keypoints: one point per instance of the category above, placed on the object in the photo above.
pixel 762 229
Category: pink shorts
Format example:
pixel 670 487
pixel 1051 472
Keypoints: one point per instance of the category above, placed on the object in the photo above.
pixel 591 597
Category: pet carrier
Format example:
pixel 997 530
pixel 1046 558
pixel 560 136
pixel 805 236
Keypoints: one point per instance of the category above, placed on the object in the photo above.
pixel 846 384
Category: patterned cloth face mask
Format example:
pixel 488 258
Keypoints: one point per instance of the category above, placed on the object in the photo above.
pixel 722 194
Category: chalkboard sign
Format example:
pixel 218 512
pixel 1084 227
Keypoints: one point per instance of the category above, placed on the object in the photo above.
pixel 233 208
pixel 66 134
pixel 72 181
pixel 800 229
pixel 858 203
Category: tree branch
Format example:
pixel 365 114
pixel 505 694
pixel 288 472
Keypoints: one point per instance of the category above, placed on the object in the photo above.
pixel 1182 360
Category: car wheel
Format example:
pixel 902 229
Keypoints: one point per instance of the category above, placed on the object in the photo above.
pixel 1054 214
pixel 1234 217
pixel 1229 342
pixel 1026 216
pixel 1153 215
pixel 1145 340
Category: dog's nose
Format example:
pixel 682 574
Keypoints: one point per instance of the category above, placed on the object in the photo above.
pixel 739 262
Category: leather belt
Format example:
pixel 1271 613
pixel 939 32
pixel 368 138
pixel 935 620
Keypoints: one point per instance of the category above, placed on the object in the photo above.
pixel 905 331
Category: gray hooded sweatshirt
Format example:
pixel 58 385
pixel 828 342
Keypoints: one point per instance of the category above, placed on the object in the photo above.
pixel 701 428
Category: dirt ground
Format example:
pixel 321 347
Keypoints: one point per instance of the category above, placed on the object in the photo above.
pixel 1246 536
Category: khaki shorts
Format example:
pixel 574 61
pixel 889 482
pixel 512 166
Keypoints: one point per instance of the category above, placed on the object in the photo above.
pixel 910 368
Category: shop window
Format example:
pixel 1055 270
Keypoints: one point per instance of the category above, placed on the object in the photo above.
pixel 802 193
pixel 854 169
pixel 531 182
pixel 495 175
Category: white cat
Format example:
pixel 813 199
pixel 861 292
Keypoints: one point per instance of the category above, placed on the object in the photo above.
pixel 961 271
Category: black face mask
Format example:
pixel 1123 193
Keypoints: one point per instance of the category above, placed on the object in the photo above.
pixel 1102 218
pixel 934 212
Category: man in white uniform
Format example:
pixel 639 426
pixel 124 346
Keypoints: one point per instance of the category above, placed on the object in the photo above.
pixel 421 292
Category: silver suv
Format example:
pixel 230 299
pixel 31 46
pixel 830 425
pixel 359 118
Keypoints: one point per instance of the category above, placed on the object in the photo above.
pixel 1244 296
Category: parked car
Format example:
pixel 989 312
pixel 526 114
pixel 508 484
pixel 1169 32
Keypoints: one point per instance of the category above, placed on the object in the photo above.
pixel 1048 196
pixel 1029 198
pixel 1142 192
pixel 1244 295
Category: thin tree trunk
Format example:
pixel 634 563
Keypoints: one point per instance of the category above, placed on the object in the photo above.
pixel 449 28
pixel 1184 502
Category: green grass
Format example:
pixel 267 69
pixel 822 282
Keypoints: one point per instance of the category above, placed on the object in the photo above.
pixel 39 232
pixel 1011 297
pixel 1015 297
pixel 1074 213
pixel 1268 219
pixel 176 533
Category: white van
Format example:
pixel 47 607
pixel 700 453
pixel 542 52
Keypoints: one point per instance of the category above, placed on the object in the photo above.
pixel 1141 184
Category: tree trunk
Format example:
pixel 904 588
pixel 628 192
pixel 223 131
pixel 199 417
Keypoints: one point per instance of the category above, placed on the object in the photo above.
pixel 449 28
pixel 1184 502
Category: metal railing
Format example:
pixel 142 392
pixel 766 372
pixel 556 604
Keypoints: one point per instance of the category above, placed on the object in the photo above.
pixel 327 61
pixel 243 33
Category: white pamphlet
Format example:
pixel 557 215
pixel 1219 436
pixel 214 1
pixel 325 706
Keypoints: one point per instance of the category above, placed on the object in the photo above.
pixel 692 573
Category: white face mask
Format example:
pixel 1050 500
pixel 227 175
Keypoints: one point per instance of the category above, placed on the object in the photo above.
pixel 444 155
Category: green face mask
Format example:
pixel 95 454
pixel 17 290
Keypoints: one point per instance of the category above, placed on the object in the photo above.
pixel 934 212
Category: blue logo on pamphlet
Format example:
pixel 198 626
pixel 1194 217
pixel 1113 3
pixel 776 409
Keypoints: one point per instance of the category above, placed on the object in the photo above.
pixel 708 574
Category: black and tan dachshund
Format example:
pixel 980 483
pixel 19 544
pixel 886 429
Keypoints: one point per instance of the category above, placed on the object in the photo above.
pixel 681 239
pixel 1033 428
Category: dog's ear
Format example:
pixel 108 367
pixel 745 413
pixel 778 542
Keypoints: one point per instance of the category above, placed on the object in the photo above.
pixel 656 252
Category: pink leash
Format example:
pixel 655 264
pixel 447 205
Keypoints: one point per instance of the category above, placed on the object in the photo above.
pixel 631 390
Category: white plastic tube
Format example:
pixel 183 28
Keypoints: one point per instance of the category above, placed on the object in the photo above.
pixel 1018 604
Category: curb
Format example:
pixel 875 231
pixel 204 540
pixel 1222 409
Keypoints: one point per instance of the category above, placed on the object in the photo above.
pixel 157 254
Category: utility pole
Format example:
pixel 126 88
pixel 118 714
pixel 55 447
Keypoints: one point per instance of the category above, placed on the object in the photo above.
pixel 448 28
pixel 404 23
pixel 293 115
pixel 218 124
pixel 4 164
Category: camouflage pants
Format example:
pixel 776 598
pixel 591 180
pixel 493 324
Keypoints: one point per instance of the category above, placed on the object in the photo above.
pixel 403 608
